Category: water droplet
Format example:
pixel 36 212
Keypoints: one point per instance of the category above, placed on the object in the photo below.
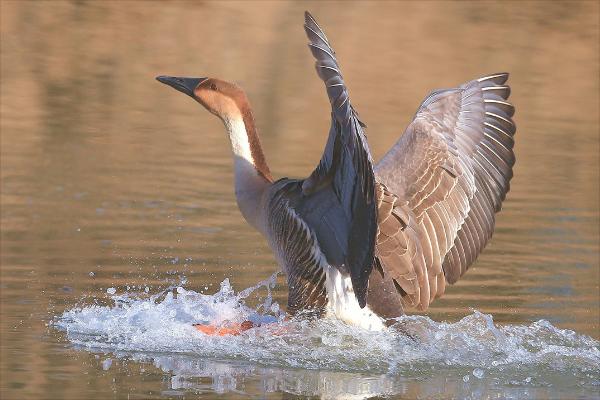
pixel 478 373
pixel 180 290
pixel 466 378
pixel 106 364
pixel 111 290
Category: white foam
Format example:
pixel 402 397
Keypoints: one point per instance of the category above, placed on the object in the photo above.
pixel 533 354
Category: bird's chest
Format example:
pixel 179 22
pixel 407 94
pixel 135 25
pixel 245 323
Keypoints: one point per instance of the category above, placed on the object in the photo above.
pixel 342 302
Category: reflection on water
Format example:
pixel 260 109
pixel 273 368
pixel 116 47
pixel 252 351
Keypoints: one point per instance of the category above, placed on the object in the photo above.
pixel 108 179
pixel 190 374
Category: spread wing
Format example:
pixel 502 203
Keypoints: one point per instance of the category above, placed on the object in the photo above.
pixel 442 183
pixel 337 200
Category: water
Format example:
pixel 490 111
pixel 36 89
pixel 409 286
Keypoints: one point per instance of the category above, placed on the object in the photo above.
pixel 116 191
pixel 158 330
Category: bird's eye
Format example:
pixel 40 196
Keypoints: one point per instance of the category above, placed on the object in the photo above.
pixel 213 86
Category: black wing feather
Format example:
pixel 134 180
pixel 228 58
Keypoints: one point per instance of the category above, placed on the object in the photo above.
pixel 338 198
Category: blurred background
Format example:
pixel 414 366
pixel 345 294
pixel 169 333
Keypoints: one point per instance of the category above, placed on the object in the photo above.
pixel 110 179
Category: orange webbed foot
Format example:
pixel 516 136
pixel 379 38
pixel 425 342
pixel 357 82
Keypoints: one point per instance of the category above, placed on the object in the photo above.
pixel 224 330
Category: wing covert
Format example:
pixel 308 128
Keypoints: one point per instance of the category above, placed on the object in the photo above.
pixel 450 171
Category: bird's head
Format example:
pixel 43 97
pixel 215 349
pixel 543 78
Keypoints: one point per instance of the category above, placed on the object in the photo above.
pixel 224 99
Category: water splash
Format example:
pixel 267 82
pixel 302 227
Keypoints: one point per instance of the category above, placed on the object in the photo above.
pixel 473 349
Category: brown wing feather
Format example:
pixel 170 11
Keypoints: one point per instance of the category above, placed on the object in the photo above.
pixel 398 245
pixel 447 176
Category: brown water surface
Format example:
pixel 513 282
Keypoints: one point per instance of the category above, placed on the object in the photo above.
pixel 110 179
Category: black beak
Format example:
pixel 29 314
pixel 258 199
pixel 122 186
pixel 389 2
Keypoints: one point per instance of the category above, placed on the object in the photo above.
pixel 184 85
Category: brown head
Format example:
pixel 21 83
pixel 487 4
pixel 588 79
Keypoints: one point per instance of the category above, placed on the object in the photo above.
pixel 224 99
pixel 228 102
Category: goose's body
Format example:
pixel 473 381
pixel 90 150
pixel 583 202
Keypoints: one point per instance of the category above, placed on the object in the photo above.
pixel 360 240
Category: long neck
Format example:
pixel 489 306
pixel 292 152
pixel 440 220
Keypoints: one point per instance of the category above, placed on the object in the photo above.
pixel 252 175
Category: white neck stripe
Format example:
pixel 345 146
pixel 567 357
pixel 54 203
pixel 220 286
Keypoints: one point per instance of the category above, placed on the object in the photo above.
pixel 240 146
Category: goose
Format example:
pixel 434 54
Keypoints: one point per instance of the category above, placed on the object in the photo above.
pixel 363 241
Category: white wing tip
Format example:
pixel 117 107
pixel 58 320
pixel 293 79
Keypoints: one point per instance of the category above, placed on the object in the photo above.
pixel 499 78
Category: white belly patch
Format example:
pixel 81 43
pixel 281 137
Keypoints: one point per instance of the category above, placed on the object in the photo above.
pixel 342 302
